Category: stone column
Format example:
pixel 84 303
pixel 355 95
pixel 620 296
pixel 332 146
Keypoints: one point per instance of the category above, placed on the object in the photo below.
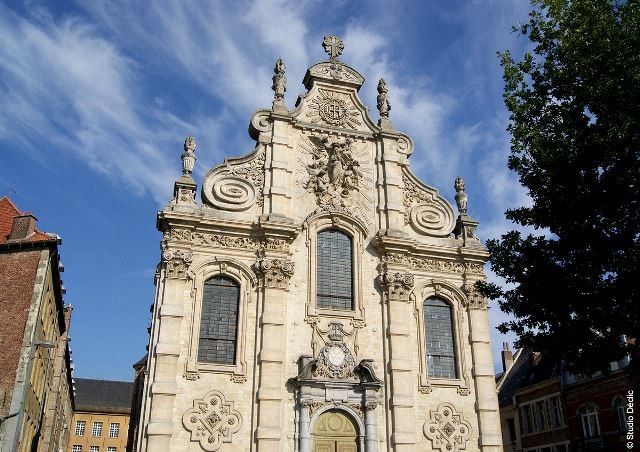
pixel 483 374
pixel 370 427
pixel 274 280
pixel 162 384
pixel 397 287
pixel 304 426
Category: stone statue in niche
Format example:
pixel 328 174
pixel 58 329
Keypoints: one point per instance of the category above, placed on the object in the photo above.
pixel 334 173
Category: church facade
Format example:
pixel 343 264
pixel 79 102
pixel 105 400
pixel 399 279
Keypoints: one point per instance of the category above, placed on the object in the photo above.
pixel 320 297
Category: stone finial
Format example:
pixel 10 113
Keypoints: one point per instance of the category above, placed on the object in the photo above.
pixel 461 196
pixel 189 156
pixel 333 46
pixel 279 86
pixel 383 99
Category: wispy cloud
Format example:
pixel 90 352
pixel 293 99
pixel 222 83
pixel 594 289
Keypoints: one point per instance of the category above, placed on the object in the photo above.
pixel 66 86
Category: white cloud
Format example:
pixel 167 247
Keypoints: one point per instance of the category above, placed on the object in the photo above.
pixel 68 87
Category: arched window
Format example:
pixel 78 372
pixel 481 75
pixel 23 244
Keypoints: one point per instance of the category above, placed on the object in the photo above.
pixel 589 420
pixel 334 271
pixel 439 340
pixel 620 407
pixel 219 321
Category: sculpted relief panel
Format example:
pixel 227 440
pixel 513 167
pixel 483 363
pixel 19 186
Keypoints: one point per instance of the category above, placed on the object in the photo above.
pixel 212 421
pixel 337 174
pixel 335 109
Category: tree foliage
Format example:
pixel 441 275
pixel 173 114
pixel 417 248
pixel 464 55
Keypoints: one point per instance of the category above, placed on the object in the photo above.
pixel 574 101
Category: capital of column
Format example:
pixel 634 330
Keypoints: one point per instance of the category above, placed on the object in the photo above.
pixel 177 263
pixel 475 299
pixel 274 273
pixel 397 285
pixel 370 405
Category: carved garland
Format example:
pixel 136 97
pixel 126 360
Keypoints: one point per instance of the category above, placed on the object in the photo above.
pixel 432 264
pixel 212 421
pixel 249 243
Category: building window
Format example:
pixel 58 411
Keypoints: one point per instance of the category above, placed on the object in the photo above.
pixel 528 423
pixel 97 429
pixel 511 425
pixel 80 425
pixel 439 340
pixel 334 271
pixel 620 406
pixel 555 412
pixel 94 448
pixel 111 449
pixel 589 420
pixel 541 415
pixel 219 320
pixel 114 430
pixel 76 448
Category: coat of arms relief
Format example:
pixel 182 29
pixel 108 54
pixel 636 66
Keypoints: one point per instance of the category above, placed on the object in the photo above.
pixel 336 174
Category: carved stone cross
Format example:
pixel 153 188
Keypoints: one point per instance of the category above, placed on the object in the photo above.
pixel 333 46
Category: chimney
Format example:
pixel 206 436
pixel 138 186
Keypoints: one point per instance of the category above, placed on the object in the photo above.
pixel 23 227
pixel 507 357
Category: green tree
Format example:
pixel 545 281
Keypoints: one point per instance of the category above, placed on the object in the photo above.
pixel 574 101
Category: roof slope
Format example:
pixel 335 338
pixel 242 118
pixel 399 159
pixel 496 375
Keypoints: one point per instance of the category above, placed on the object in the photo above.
pixel 8 210
pixel 104 396
pixel 529 368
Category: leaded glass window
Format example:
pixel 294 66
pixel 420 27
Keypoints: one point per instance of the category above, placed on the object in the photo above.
pixel 439 341
pixel 334 272
pixel 219 321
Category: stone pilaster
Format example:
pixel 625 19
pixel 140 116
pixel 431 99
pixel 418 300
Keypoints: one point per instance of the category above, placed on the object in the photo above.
pixel 483 374
pixel 162 384
pixel 274 277
pixel 397 287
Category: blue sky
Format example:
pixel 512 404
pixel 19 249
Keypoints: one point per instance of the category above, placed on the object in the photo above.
pixel 97 97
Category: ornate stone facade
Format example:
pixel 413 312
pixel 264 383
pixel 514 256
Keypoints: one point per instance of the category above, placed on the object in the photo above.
pixel 292 300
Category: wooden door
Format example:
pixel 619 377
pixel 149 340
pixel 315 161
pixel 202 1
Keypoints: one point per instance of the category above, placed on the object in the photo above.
pixel 334 431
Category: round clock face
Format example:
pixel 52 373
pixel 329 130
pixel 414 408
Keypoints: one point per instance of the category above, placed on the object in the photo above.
pixel 335 356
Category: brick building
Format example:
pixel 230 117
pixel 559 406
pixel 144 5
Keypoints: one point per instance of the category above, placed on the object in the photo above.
pixel 35 367
pixel 544 408
pixel 101 416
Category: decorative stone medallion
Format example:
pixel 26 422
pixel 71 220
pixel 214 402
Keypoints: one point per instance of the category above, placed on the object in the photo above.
pixel 212 421
pixel 335 360
pixel 333 108
pixel 447 429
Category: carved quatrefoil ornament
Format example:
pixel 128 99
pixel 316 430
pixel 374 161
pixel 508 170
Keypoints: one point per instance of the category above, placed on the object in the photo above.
pixel 447 429
pixel 212 421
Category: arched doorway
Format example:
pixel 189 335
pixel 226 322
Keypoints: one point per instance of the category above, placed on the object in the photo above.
pixel 334 431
